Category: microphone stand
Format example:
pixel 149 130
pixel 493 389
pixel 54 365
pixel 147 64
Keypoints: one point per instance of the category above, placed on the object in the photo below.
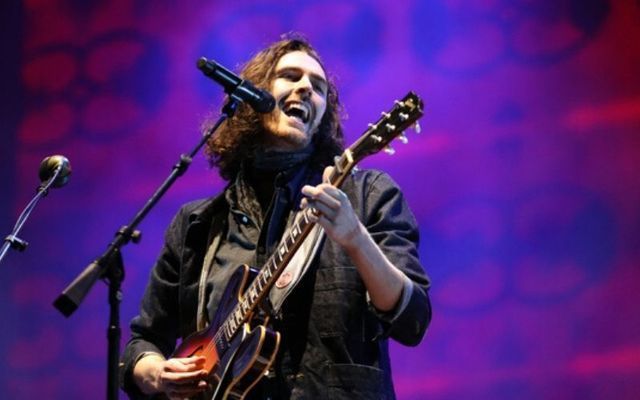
pixel 109 266
pixel 12 240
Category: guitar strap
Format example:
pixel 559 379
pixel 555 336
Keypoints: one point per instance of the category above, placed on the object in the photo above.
pixel 201 318
pixel 289 279
pixel 297 267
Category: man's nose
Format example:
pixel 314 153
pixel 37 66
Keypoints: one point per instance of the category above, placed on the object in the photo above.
pixel 303 85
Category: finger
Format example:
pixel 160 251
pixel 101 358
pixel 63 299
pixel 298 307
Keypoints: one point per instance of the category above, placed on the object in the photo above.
pixel 309 191
pixel 331 191
pixel 327 173
pixel 190 360
pixel 312 191
pixel 182 377
pixel 336 193
pixel 323 209
pixel 184 364
pixel 322 193
pixel 323 221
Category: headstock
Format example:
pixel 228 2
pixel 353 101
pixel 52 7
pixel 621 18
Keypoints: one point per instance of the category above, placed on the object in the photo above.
pixel 390 125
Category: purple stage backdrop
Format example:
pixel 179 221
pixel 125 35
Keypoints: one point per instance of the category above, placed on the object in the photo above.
pixel 525 179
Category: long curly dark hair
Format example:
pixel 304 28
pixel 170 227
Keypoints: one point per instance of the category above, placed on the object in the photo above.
pixel 240 136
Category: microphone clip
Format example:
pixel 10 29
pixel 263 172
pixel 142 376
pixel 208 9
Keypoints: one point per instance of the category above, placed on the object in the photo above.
pixel 16 243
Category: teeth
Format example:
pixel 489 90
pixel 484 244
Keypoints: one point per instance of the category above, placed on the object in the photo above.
pixel 304 111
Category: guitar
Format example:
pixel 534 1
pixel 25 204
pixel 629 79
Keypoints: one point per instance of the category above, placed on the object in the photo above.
pixel 238 345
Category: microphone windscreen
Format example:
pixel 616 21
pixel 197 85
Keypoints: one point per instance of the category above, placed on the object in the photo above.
pixel 48 168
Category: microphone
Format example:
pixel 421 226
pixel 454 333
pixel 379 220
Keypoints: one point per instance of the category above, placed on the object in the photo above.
pixel 53 165
pixel 261 100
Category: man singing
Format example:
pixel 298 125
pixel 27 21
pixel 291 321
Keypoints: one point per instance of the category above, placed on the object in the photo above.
pixel 362 284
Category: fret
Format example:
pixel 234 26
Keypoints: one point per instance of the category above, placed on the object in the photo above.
pixel 232 326
pixel 341 163
pixel 253 294
pixel 296 230
pixel 225 331
pixel 244 307
pixel 229 331
pixel 348 158
pixel 283 249
pixel 268 268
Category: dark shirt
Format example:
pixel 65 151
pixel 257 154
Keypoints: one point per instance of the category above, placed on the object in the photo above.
pixel 334 343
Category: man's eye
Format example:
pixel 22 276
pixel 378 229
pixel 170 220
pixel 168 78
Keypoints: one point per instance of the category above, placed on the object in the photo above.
pixel 291 76
pixel 320 87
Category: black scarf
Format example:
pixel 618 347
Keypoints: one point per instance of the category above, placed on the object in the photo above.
pixel 278 161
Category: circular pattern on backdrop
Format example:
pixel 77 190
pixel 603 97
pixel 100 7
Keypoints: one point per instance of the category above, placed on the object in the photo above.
pixel 102 90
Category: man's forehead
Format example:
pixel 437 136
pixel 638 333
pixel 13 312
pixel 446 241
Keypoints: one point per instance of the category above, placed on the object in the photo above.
pixel 300 60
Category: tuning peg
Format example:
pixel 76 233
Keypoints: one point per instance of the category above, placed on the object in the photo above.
pixel 389 150
pixel 416 127
pixel 403 116
pixel 385 114
pixel 376 138
pixel 398 103
pixel 390 127
pixel 403 138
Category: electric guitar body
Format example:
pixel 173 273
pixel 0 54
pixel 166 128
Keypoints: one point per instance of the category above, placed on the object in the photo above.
pixel 237 365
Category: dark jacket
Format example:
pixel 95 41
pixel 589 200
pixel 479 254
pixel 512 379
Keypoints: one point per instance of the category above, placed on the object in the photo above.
pixel 337 346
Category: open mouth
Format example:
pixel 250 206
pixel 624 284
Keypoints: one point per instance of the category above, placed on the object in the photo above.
pixel 297 110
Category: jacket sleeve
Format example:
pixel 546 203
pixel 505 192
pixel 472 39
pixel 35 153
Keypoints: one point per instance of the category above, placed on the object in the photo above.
pixel 155 329
pixel 394 228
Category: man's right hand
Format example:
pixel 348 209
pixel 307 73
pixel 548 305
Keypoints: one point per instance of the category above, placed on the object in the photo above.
pixel 178 378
